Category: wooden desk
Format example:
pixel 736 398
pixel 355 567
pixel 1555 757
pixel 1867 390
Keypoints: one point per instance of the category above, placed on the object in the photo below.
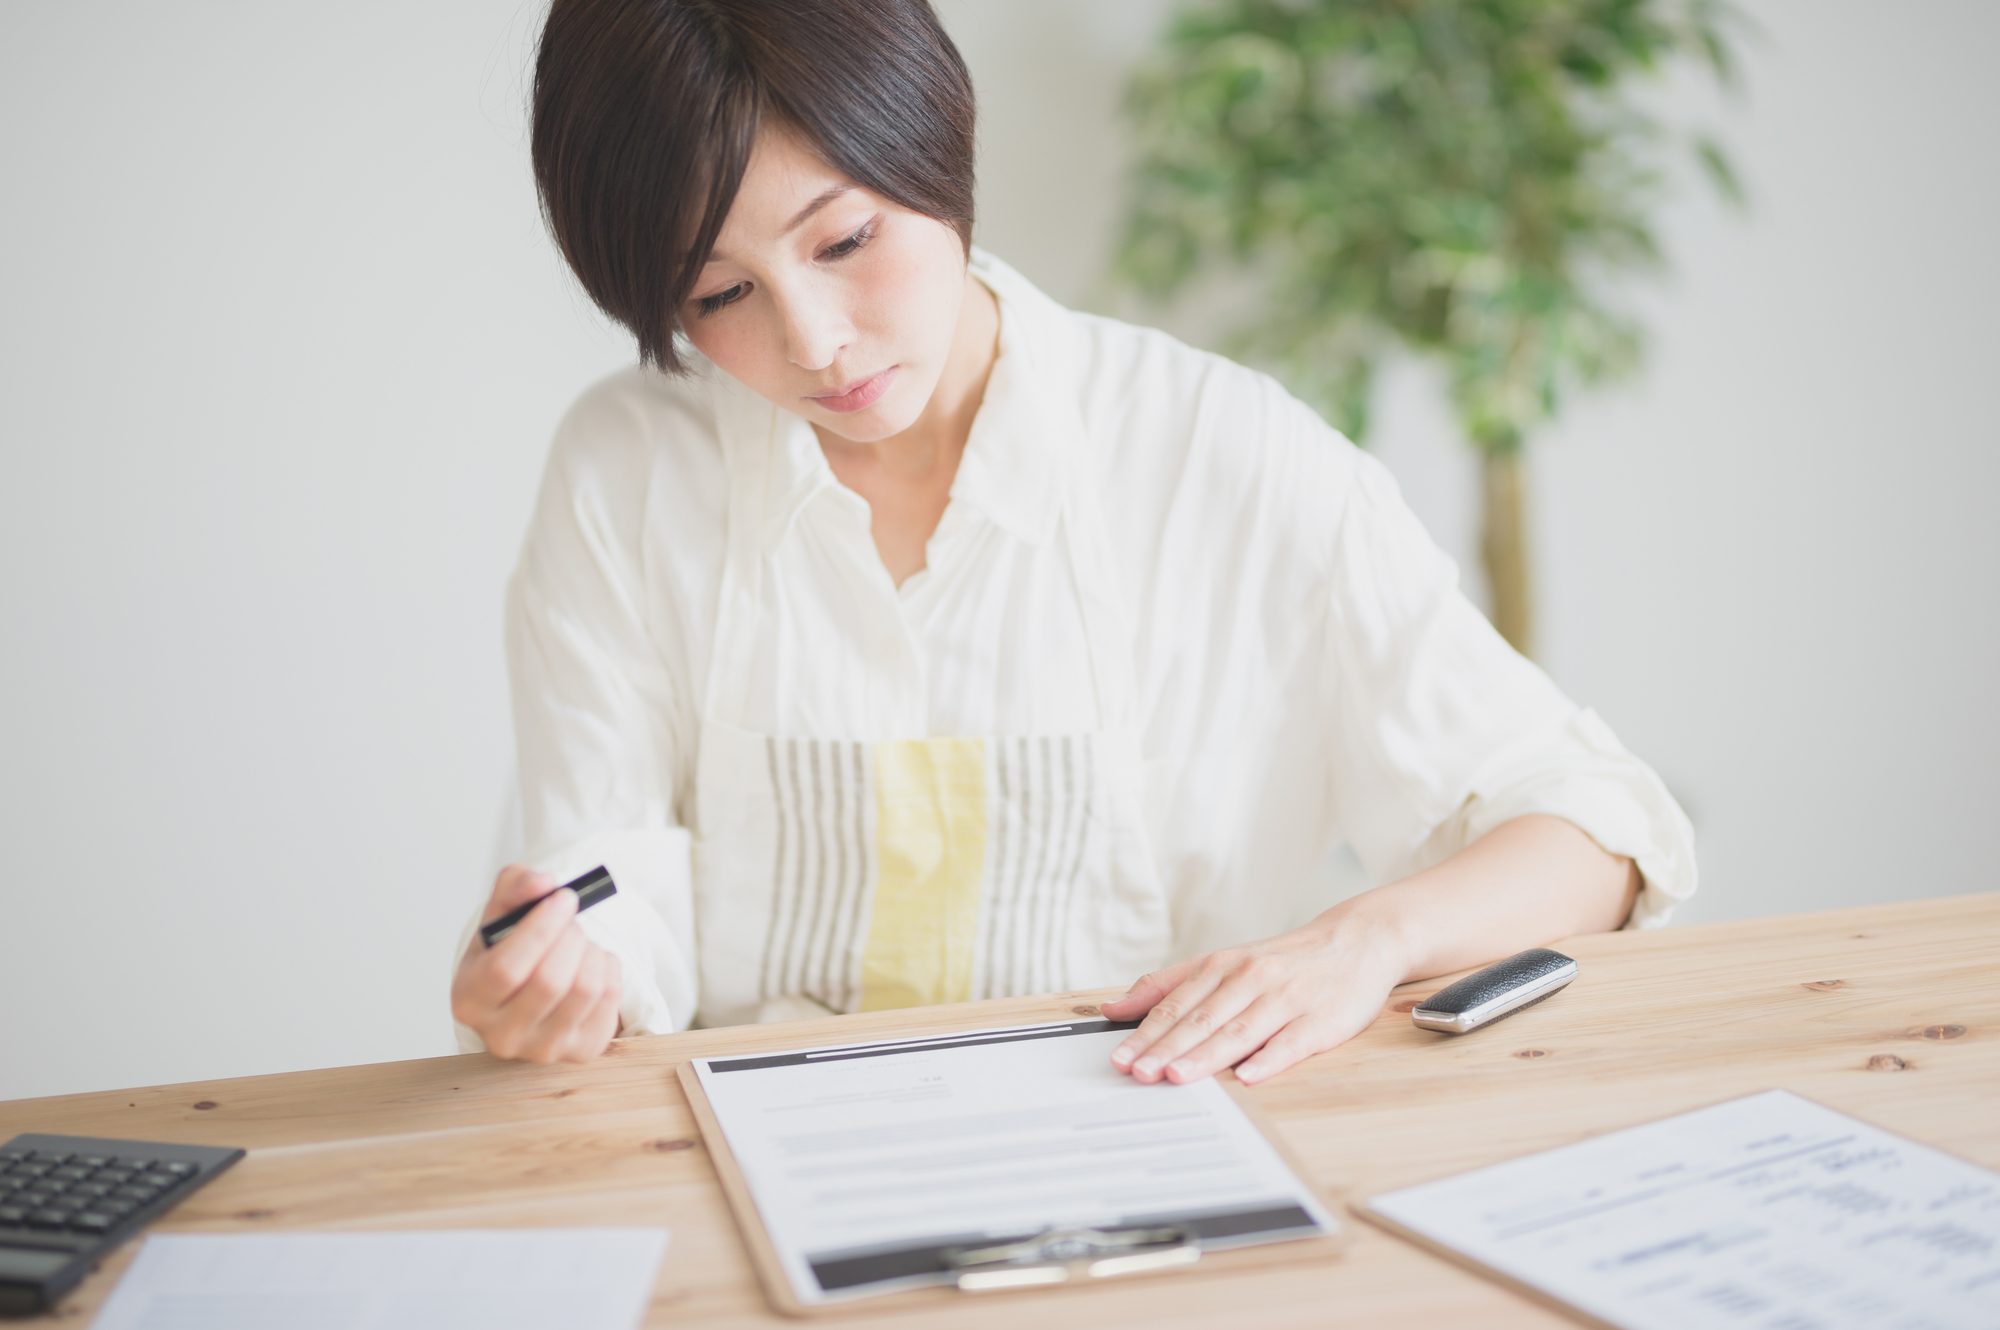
pixel 1891 1013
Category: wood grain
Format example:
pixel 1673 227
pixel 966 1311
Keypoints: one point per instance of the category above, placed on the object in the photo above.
pixel 1889 1013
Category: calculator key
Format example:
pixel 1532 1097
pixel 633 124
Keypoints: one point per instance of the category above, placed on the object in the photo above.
pixel 33 1168
pixel 47 1219
pixel 12 1214
pixel 69 1172
pixel 180 1168
pixel 54 1157
pixel 14 1154
pixel 93 1221
pixel 70 1203
pixel 93 1161
pixel 135 1193
pixel 157 1179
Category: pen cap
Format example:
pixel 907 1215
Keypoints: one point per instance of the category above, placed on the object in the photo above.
pixel 592 887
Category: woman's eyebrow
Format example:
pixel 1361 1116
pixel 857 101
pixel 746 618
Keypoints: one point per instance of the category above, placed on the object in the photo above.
pixel 804 215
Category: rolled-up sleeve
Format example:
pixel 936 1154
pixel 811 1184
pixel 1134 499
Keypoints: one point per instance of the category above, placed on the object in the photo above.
pixel 597 721
pixel 1444 731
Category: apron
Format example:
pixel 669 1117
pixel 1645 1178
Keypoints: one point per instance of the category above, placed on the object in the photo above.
pixel 864 874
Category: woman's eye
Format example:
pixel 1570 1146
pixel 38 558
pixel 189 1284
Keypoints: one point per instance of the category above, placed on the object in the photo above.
pixel 852 243
pixel 709 304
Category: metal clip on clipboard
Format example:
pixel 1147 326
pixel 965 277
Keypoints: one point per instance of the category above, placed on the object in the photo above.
pixel 1059 1254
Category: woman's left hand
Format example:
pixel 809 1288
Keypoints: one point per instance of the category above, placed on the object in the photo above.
pixel 1281 1000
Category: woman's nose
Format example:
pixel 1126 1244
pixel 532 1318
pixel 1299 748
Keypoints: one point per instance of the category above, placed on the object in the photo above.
pixel 817 329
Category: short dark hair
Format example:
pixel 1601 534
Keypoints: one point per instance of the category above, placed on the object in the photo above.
pixel 645 113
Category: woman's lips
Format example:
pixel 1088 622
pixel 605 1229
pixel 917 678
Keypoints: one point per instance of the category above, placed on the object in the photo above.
pixel 861 395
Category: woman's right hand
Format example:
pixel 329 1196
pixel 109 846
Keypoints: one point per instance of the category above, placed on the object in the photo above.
pixel 545 993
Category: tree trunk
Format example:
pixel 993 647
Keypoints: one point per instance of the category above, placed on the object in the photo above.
pixel 1503 546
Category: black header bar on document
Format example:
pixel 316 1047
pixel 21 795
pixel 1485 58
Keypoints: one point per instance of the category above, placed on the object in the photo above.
pixel 919 1045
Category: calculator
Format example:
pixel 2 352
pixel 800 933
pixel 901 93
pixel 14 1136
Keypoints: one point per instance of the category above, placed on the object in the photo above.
pixel 67 1201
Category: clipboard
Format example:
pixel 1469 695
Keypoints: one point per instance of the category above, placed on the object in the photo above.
pixel 1047 1259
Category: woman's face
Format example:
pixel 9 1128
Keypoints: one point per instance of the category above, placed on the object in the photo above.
pixel 818 287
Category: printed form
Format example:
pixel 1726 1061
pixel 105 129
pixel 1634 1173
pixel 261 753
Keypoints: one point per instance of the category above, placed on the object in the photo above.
pixel 868 1162
pixel 1769 1211
pixel 497 1279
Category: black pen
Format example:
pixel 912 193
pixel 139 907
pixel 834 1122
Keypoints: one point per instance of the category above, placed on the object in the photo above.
pixel 592 887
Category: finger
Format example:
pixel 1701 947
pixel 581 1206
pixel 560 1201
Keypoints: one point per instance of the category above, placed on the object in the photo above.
pixel 557 1034
pixel 1298 1041
pixel 516 884
pixel 1233 1040
pixel 1199 1019
pixel 1150 989
pixel 536 1000
pixel 508 963
pixel 1191 981
pixel 1185 1003
pixel 600 1029
pixel 605 1021
pixel 553 1039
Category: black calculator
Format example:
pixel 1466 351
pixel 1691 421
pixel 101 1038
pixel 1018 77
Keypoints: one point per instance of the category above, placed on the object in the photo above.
pixel 67 1201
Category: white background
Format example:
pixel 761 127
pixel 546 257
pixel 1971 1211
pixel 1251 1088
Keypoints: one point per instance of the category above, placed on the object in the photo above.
pixel 282 341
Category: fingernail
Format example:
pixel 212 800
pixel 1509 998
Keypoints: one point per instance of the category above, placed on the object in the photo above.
pixel 1147 1066
pixel 1121 1055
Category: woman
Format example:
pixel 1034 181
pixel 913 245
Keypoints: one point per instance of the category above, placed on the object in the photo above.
pixel 896 635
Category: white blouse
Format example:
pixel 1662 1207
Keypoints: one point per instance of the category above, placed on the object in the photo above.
pixel 1307 671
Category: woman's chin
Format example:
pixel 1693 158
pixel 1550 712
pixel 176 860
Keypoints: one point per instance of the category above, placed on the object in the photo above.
pixel 884 420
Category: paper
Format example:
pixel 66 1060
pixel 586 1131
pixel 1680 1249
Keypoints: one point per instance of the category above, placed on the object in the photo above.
pixel 497 1279
pixel 865 1160
pixel 1769 1211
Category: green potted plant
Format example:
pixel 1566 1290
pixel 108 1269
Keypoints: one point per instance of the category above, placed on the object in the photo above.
pixel 1459 179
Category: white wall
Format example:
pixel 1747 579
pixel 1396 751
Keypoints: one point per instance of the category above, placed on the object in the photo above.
pixel 281 342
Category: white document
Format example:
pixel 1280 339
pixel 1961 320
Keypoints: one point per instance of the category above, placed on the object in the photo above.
pixel 496 1279
pixel 1769 1211
pixel 866 1161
